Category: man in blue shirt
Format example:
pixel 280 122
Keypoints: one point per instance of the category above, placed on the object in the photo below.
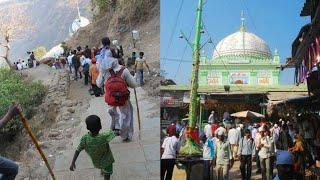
pixel 208 155
pixel 246 153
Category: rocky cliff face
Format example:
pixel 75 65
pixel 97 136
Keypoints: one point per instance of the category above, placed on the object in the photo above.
pixel 51 20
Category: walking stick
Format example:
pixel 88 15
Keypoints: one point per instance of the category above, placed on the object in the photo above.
pixel 138 111
pixel 35 141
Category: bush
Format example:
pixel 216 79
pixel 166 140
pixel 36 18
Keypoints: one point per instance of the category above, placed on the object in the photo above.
pixel 13 88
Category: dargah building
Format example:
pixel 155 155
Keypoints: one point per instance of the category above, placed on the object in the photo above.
pixel 242 74
pixel 240 58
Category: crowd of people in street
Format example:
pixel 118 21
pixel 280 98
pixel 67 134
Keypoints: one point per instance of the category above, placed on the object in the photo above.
pixel 283 145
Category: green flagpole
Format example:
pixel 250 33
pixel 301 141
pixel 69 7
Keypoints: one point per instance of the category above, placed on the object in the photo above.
pixel 191 148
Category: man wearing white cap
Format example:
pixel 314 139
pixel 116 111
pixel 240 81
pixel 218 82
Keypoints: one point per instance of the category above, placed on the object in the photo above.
pixel 223 160
pixel 125 111
pixel 285 167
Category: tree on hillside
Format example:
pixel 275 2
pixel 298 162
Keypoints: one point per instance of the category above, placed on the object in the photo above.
pixel 14 24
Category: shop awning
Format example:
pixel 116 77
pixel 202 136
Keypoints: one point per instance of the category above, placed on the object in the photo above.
pixel 280 97
pixel 248 114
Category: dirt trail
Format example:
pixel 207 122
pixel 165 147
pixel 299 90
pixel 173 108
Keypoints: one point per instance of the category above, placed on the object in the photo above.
pixel 138 159
pixel 59 124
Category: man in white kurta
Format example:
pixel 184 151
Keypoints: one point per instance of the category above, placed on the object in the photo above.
pixel 234 137
pixel 126 111
pixel 102 62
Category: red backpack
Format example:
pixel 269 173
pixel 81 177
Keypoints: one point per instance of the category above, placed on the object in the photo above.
pixel 116 89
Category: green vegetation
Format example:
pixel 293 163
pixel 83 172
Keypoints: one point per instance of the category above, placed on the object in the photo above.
pixel 190 148
pixel 13 88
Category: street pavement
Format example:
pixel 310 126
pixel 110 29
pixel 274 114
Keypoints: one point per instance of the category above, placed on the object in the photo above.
pixel 136 160
pixel 179 174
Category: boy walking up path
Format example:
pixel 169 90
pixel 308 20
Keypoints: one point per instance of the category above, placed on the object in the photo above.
pixel 138 159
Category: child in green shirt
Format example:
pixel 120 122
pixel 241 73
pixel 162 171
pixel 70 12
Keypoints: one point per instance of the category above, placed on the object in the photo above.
pixel 97 146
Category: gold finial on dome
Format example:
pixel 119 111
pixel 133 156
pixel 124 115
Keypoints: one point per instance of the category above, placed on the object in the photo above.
pixel 242 27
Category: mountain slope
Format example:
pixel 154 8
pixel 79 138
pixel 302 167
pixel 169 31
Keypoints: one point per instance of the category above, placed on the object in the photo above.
pixel 50 19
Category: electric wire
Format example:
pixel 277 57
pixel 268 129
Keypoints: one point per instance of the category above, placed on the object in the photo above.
pixel 173 30
pixel 184 50
pixel 177 60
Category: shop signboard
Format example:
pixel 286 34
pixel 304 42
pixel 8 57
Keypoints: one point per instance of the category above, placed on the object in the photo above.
pixel 239 77
pixel 168 100
pixel 264 78
pixel 214 78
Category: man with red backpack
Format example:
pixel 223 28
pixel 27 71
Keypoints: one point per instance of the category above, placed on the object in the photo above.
pixel 117 79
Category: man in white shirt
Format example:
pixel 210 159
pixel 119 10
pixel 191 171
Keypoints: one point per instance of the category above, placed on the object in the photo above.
pixel 169 148
pixel 69 58
pixel 24 65
pixel 19 66
pixel 257 149
pixel 265 154
pixel 207 130
pixel 275 132
pixel 211 117
pixel 222 129
pixel 234 138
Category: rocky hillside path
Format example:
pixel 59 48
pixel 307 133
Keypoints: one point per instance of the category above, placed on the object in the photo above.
pixel 138 159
